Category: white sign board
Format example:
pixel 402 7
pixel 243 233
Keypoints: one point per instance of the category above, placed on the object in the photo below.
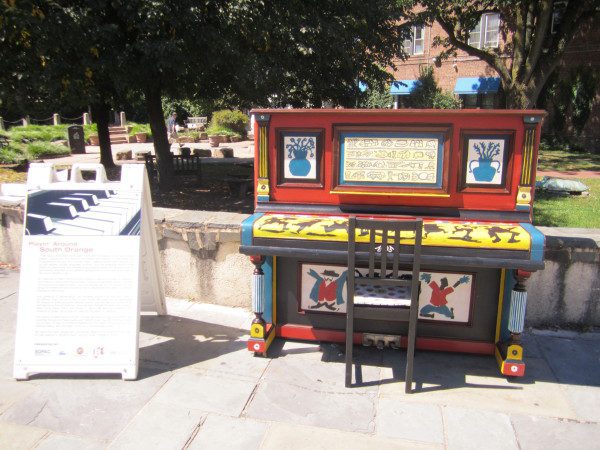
pixel 90 260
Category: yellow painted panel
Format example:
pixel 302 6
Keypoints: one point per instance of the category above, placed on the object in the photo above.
pixel 436 233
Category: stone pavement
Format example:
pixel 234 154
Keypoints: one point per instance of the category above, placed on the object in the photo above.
pixel 200 389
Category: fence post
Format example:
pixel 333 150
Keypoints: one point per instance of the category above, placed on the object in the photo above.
pixel 123 119
pixel 26 121
pixel 56 119
pixel 86 119
pixel 1 124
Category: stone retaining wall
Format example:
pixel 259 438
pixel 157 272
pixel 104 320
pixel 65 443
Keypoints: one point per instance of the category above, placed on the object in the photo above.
pixel 200 261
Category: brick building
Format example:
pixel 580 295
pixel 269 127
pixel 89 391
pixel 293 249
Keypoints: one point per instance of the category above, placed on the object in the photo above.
pixel 478 84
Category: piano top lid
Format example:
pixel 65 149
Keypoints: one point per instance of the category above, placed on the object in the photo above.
pixel 404 112
pixel 436 233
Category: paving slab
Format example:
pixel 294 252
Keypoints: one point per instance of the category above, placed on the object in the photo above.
pixel 286 436
pixel 577 371
pixel 472 381
pixel 88 406
pixel 187 344
pixel 407 420
pixel 18 437
pixel 283 402
pixel 557 434
pixel 54 441
pixel 207 392
pixel 227 433
pixel 467 429
pixel 315 370
pixel 160 426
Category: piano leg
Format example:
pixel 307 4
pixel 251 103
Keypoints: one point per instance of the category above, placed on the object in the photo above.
pixel 261 333
pixel 509 353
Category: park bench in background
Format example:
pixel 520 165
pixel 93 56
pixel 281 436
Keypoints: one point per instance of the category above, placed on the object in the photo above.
pixel 237 173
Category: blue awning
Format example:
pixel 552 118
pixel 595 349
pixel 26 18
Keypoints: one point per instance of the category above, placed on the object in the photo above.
pixel 362 86
pixel 403 87
pixel 480 85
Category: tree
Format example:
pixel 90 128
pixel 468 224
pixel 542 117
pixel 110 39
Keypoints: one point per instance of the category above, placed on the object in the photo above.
pixel 534 48
pixel 46 53
pixel 310 52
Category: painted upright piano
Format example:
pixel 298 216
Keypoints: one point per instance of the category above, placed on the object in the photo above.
pixel 469 174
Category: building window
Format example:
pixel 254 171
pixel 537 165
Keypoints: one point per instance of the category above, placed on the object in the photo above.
pixel 416 44
pixel 487 32
pixel 483 101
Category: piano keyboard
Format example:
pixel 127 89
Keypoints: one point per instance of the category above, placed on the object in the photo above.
pixel 85 213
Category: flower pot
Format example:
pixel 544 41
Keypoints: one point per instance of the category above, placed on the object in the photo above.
pixel 214 140
pixel 485 171
pixel 141 137
pixel 224 138
pixel 203 136
pixel 94 139
pixel 236 139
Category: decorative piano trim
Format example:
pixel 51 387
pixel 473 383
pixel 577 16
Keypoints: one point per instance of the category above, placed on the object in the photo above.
pixel 263 191
pixel 528 146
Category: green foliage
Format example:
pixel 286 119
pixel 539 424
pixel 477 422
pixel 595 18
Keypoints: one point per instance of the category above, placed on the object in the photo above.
pixel 427 94
pixel 13 153
pixel 227 120
pixel 377 98
pixel 139 128
pixel 46 133
pixel 40 149
pixel 574 212
pixel 222 130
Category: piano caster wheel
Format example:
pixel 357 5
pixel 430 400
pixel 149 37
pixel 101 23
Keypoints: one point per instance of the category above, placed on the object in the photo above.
pixel 380 345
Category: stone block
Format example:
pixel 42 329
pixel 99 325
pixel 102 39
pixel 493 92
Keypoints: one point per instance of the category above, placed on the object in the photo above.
pixel 202 152
pixel 222 152
pixel 124 155
pixel 172 234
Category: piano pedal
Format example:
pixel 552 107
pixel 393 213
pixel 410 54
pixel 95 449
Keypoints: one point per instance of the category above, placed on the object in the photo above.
pixel 381 340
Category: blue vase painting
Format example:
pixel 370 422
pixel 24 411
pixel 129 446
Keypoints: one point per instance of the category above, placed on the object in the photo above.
pixel 485 161
pixel 300 157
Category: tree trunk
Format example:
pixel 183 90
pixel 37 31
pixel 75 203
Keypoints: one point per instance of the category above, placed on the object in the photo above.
pixel 162 148
pixel 100 112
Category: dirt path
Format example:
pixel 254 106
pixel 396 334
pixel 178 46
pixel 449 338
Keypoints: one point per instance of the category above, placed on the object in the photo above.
pixel 570 174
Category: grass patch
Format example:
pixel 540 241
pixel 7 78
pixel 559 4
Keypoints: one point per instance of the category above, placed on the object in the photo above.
pixel 567 161
pixel 572 212
pixel 46 133
pixel 11 154
pixel 37 150
pixel 222 130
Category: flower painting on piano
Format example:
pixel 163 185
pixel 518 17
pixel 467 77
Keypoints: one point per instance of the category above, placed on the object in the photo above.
pixel 299 156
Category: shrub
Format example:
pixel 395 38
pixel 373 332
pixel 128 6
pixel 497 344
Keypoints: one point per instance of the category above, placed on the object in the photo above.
pixel 427 94
pixel 11 154
pixel 228 120
pixel 38 149
pixel 139 128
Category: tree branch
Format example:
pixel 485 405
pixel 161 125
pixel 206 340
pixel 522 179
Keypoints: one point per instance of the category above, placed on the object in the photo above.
pixel 519 40
pixel 494 61
pixel 539 37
